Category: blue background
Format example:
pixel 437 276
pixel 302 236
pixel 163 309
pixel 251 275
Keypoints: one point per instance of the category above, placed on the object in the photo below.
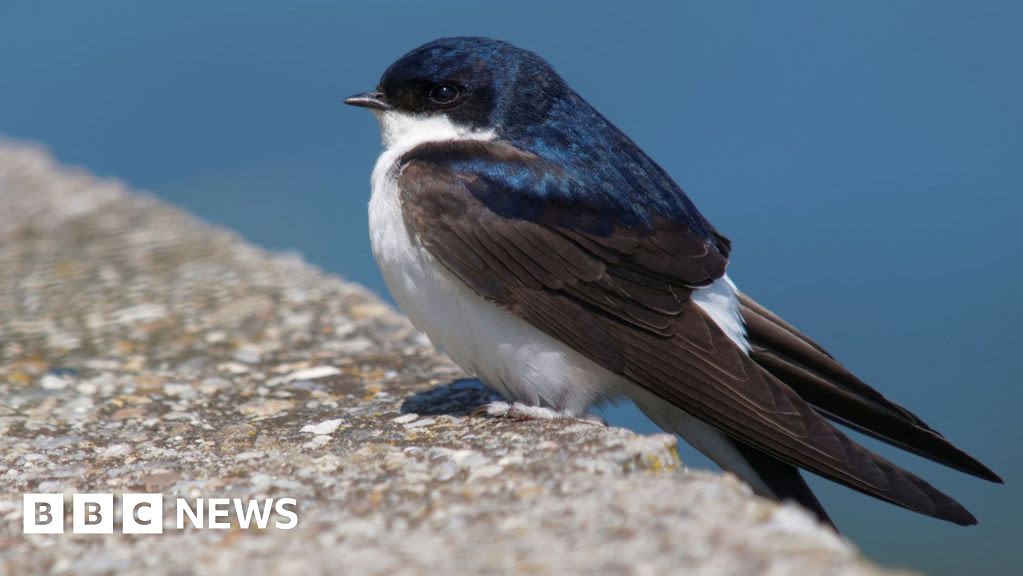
pixel 866 158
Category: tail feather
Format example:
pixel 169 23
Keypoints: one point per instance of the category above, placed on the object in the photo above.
pixel 785 481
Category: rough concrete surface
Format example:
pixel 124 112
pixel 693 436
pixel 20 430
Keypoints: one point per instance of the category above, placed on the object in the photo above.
pixel 142 350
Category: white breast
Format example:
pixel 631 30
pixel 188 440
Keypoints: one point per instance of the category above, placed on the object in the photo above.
pixel 510 355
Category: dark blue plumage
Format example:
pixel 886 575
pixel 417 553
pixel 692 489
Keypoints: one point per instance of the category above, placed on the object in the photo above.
pixel 583 165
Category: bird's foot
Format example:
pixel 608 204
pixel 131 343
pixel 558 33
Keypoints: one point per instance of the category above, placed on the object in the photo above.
pixel 520 411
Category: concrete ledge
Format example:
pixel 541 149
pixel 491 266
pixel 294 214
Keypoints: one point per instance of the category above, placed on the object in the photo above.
pixel 144 351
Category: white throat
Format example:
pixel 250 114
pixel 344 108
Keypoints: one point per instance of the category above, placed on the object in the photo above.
pixel 401 130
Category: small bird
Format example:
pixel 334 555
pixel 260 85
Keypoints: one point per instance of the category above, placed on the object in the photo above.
pixel 545 253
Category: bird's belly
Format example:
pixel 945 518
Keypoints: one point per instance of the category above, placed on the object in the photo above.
pixel 508 354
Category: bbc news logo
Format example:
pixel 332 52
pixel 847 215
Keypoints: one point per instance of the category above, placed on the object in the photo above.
pixel 143 513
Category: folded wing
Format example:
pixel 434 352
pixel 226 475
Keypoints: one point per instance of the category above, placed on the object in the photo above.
pixel 619 294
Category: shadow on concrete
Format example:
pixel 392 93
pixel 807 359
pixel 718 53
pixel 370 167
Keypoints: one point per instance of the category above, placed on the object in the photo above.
pixel 457 398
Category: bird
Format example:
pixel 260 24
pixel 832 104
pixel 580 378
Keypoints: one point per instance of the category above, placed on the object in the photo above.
pixel 540 248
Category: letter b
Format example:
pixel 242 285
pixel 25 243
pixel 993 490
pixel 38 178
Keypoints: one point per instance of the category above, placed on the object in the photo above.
pixel 43 513
pixel 93 514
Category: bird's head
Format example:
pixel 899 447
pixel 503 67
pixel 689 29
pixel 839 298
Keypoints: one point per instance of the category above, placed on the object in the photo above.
pixel 461 86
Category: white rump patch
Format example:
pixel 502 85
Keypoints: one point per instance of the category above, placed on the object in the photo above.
pixel 721 302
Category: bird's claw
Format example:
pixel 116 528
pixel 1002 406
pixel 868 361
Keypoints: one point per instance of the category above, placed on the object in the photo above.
pixel 520 411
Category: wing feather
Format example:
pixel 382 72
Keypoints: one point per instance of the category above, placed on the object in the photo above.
pixel 828 386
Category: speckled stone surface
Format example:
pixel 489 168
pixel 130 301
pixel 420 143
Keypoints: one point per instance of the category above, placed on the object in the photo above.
pixel 144 351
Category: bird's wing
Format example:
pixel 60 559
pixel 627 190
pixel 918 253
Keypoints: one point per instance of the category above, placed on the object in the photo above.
pixel 619 294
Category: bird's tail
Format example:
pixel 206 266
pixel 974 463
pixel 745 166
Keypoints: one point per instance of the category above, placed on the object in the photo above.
pixel 785 481
pixel 768 476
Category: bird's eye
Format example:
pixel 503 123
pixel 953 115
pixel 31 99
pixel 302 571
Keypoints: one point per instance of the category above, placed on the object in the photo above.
pixel 443 94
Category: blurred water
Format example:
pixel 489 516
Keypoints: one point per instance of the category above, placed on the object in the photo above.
pixel 865 158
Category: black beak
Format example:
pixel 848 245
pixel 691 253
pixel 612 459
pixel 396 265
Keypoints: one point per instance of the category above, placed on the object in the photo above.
pixel 373 100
